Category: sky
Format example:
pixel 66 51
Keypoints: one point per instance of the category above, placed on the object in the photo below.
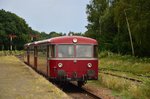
pixel 50 15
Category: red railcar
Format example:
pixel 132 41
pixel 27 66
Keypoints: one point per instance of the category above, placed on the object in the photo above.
pixel 65 58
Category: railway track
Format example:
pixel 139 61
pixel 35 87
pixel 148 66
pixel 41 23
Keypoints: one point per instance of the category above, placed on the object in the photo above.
pixel 92 95
pixel 124 77
pixel 71 89
pixel 78 93
pixel 103 69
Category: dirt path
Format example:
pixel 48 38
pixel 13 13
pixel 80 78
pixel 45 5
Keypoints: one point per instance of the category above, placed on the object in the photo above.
pixel 18 81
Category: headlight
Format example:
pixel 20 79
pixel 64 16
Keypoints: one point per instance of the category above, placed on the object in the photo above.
pixel 75 40
pixel 60 65
pixel 89 65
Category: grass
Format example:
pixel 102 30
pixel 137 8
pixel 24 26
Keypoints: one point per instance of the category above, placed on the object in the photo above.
pixel 127 66
pixel 115 62
pixel 126 74
pixel 8 52
pixel 125 88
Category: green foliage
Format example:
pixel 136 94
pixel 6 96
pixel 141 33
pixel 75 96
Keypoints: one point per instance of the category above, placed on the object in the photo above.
pixel 55 34
pixel 14 25
pixel 75 34
pixel 127 63
pixel 146 88
pixel 43 35
pixel 126 66
pixel 108 24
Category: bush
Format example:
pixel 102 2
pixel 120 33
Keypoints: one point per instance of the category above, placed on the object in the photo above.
pixel 105 54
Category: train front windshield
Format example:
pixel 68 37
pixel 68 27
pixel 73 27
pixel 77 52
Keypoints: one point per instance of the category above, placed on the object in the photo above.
pixel 66 51
pixel 84 51
pixel 78 51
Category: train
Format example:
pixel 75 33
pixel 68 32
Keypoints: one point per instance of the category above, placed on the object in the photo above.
pixel 64 58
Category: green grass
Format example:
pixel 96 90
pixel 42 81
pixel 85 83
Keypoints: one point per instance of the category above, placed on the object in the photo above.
pixel 115 62
pixel 127 66
pixel 125 88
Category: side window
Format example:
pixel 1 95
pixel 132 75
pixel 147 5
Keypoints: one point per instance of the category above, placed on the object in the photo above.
pixel 52 51
pixel 42 51
pixel 31 50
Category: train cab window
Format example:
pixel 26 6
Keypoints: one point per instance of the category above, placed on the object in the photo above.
pixel 65 51
pixel 84 51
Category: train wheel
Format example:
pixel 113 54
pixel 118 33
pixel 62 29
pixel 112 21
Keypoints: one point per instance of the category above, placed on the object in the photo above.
pixel 81 83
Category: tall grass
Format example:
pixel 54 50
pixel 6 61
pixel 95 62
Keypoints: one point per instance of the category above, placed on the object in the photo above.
pixel 125 65
pixel 125 88
pixel 110 61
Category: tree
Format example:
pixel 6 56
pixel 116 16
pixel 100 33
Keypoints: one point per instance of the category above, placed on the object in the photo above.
pixel 110 20
pixel 55 34
pixel 101 23
pixel 137 12
pixel 14 25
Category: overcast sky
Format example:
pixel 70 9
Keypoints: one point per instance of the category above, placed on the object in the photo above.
pixel 50 15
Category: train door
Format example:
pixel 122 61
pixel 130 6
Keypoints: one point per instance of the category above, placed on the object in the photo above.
pixel 42 59
pixel 26 55
pixel 51 61
pixel 48 57
pixel 31 56
pixel 35 57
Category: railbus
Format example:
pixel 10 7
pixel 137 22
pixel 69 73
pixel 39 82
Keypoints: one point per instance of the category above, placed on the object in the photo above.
pixel 65 58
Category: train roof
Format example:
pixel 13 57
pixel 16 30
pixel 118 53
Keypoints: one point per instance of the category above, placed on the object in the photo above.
pixel 65 40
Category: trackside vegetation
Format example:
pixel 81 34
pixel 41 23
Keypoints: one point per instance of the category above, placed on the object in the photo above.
pixel 126 66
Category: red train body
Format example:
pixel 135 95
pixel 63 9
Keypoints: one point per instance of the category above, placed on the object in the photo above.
pixel 65 58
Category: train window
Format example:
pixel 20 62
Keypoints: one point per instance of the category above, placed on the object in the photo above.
pixel 52 51
pixel 65 51
pixel 42 51
pixel 31 50
pixel 84 51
